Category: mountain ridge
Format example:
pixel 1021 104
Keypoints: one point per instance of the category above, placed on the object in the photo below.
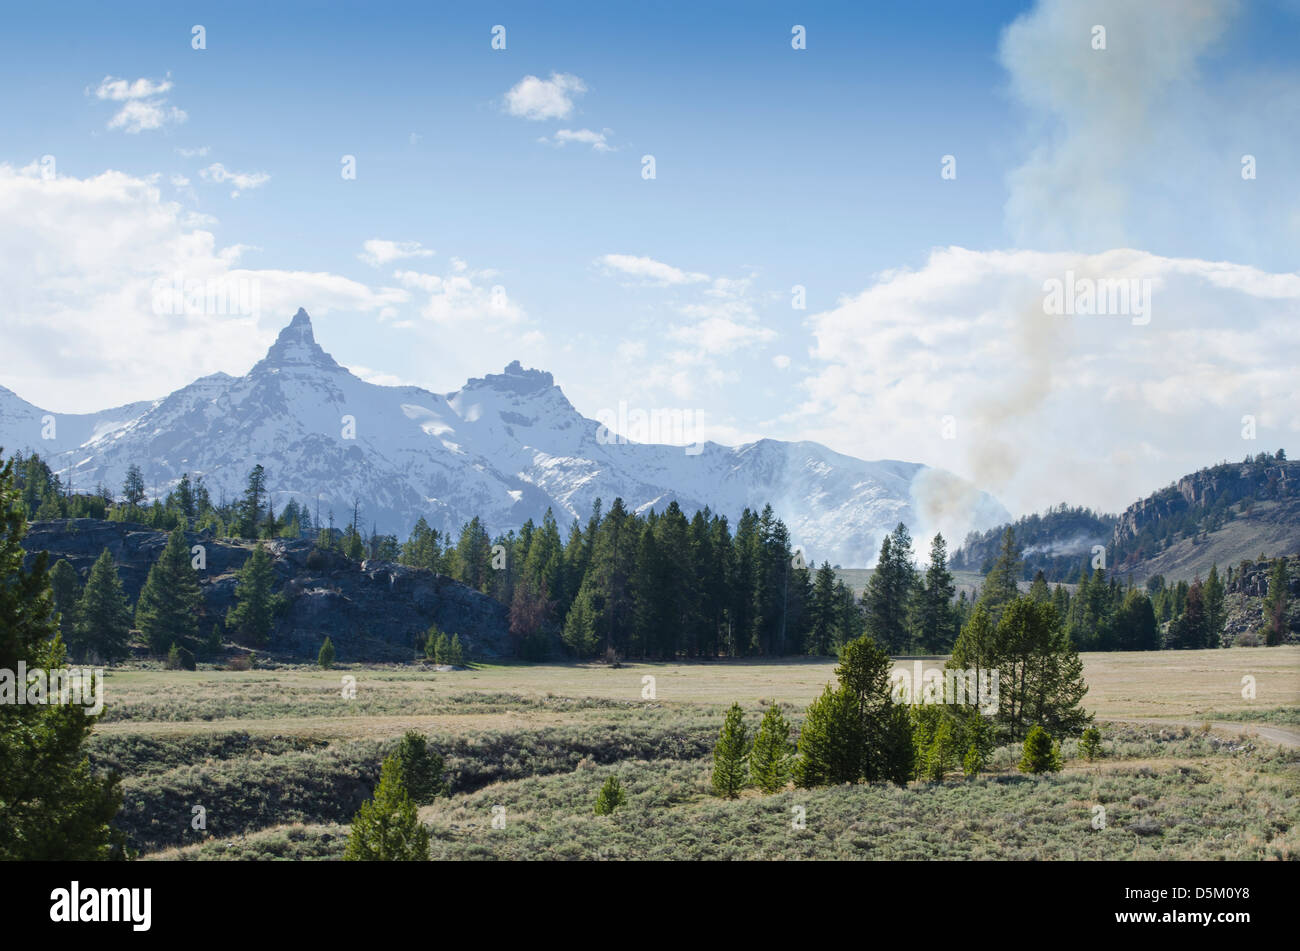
pixel 505 447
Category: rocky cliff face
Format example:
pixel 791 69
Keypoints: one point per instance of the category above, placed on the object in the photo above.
pixel 372 611
pixel 1202 490
pixel 1250 578
pixel 1247 586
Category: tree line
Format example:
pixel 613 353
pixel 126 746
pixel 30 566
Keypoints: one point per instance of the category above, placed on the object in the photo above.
pixel 658 584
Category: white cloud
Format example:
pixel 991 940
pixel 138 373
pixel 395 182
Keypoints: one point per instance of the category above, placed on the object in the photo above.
pixel 80 325
pixel 720 335
pixel 720 323
pixel 1051 408
pixel 534 98
pixel 380 378
pixel 217 174
pixel 598 141
pixel 463 297
pixel 377 252
pixel 199 152
pixel 142 115
pixel 121 90
pixel 180 181
pixel 781 361
pixel 144 103
pixel 648 269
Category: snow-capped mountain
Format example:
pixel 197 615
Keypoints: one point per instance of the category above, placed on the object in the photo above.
pixel 504 447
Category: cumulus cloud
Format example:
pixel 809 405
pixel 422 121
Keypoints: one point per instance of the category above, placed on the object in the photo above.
pixel 1047 407
pixel 217 174
pixel 90 323
pixel 377 252
pixel 144 105
pixel 536 99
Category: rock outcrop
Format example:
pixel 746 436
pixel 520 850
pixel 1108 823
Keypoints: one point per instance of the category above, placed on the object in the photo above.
pixel 372 611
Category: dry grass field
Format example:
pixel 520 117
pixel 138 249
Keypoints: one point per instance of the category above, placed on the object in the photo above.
pixel 280 760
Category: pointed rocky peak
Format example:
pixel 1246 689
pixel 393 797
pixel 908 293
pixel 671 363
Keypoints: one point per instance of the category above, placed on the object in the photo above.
pixel 522 396
pixel 515 379
pixel 297 347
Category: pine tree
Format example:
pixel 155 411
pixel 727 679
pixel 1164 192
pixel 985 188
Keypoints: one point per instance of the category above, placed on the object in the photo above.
pixel 1135 623
pixel 168 608
pixel 610 797
pixel 250 506
pixel 769 760
pixel 255 606
pixel 325 659
pixel 830 749
pixel 1000 586
pixel 1040 754
pixel 182 500
pixel 824 613
pixel 1090 743
pixel 103 618
pixel 935 615
pixel 472 557
pixel 580 627
pixel 976 649
pixel 133 487
pixel 649 589
pixel 421 549
pixel 1041 675
pixel 731 755
pixel 888 598
pixel 1275 600
pixel 979 740
pixel 891 751
pixel 455 652
pixel 66 587
pixel 353 547
pixel 1190 630
pixel 422 768
pixel 934 740
pixel 387 828
pixel 52 808
pixel 1216 613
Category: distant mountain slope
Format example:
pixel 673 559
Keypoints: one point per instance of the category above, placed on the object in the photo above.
pixel 1058 542
pixel 504 447
pixel 1219 515
pixel 1269 529
pixel 1205 502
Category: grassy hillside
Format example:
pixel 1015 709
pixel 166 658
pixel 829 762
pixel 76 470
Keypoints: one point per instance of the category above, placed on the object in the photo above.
pixel 1269 529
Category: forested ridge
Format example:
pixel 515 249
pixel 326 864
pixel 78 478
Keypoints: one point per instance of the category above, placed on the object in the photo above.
pixel 628 585
pixel 1057 541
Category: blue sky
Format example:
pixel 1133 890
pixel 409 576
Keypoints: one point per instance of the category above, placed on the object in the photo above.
pixel 774 167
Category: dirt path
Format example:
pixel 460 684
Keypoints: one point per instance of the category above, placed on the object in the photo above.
pixel 1287 736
